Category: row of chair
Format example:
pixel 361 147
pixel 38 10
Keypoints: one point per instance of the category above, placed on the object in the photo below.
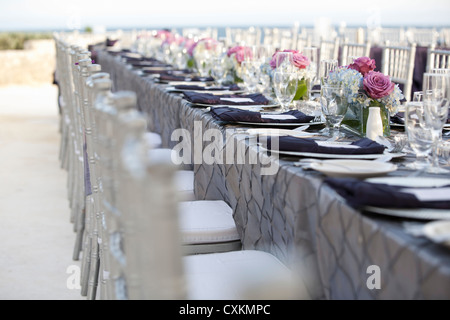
pixel 140 237
pixel 313 36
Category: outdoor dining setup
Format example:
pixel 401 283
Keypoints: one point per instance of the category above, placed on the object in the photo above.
pixel 247 167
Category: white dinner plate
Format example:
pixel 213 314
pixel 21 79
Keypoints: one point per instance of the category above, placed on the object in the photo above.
pixel 419 213
pixel 438 231
pixel 360 169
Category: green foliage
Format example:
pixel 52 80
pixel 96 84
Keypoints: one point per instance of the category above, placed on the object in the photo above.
pixel 16 40
pixel 88 29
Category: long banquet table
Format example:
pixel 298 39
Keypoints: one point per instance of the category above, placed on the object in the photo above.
pixel 293 214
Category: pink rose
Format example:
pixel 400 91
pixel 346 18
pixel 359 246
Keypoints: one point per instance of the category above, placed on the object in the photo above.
pixel 163 34
pixel 191 47
pixel 300 61
pixel 378 85
pixel 363 65
pixel 239 53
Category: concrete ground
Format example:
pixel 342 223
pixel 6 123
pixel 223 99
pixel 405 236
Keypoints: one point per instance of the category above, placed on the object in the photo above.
pixel 36 236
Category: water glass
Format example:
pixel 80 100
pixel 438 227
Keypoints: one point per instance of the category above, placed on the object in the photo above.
pixel 313 56
pixel 250 74
pixel 218 70
pixel 435 101
pixel 326 66
pixel 284 62
pixel 334 107
pixel 285 87
pixel 420 136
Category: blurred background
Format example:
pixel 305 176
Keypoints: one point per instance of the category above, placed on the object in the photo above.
pixel 26 26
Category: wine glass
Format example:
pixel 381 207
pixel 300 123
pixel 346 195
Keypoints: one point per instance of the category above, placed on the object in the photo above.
pixel 334 108
pixel 420 136
pixel 203 62
pixel 435 101
pixel 218 70
pixel 312 55
pixel 250 73
pixel 285 87
pixel 284 61
pixel 326 66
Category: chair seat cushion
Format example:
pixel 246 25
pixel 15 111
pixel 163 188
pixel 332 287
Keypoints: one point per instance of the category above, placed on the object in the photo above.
pixel 184 182
pixel 234 275
pixel 160 155
pixel 153 139
pixel 206 222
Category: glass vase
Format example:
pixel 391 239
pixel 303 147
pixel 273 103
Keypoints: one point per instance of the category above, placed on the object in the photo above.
pixel 355 119
pixel 302 90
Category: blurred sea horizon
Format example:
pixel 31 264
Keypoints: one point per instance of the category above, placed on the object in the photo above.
pixel 221 29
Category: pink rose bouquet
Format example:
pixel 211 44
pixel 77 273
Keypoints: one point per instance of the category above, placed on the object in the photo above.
pixel 300 61
pixel 239 53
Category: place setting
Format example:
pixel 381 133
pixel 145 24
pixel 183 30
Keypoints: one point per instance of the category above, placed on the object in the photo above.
pixel 422 198
pixel 235 101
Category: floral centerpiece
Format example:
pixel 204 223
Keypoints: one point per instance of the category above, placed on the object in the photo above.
pixel 366 88
pixel 301 63
pixel 200 53
pixel 234 58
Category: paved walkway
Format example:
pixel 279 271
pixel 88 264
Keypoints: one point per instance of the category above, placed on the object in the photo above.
pixel 36 236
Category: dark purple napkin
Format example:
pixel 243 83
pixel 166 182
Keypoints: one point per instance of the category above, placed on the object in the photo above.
pixel 233 87
pixel 170 77
pixel 208 98
pixel 398 118
pixel 359 193
pixel 233 115
pixel 289 143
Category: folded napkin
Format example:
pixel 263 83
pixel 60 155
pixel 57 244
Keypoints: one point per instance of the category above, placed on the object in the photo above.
pixel 359 193
pixel 364 146
pixel 233 87
pixel 233 115
pixel 398 118
pixel 226 99
pixel 171 77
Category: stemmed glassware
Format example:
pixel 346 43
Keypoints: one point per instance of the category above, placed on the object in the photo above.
pixel 312 54
pixel 285 87
pixel 250 73
pixel 326 66
pixel 218 70
pixel 435 101
pixel 420 136
pixel 334 108
pixel 284 62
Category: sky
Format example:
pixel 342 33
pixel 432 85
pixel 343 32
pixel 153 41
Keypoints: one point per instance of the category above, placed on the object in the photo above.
pixel 113 14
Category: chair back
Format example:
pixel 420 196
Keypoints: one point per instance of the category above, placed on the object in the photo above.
pixel 354 50
pixel 438 59
pixel 398 63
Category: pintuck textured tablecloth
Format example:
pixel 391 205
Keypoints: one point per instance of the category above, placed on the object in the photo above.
pixel 293 214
